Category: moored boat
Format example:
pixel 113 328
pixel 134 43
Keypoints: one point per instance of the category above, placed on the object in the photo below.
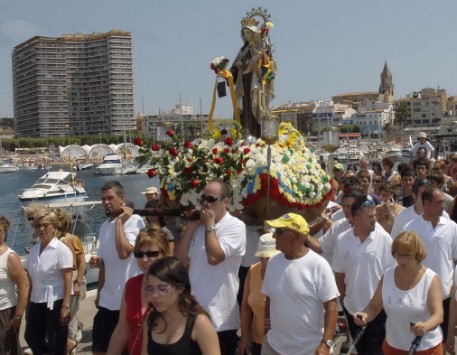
pixel 54 186
pixel 111 165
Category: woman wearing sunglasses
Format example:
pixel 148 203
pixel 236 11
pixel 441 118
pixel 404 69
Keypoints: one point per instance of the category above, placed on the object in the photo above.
pixel 150 245
pixel 177 324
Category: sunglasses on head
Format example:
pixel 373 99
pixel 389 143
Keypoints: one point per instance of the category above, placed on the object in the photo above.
pixel 209 199
pixel 149 254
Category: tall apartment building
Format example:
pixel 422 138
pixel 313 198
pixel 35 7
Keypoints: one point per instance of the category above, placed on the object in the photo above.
pixel 76 84
pixel 428 106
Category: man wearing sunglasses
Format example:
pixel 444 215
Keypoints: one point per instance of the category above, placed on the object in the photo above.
pixel 213 246
pixel 298 281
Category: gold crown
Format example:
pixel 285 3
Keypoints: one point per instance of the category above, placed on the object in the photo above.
pixel 246 21
pixel 249 19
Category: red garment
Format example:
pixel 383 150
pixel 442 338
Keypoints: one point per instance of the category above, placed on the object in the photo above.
pixel 135 317
pixel 388 350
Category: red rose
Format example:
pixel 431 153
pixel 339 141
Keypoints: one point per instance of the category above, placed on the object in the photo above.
pixel 155 147
pixel 226 150
pixel 138 141
pixel 173 151
pixel 246 151
pixel 214 151
pixel 188 144
pixel 194 183
pixel 218 161
pixel 228 141
pixel 170 133
pixel 152 172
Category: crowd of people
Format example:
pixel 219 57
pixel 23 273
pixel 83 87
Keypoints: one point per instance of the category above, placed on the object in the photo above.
pixel 381 255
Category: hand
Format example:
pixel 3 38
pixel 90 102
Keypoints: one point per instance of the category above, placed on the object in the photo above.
pixel 418 329
pixel 244 345
pixel 76 289
pixel 95 261
pixel 65 316
pixel 15 324
pixel 207 216
pixel 360 319
pixel 322 349
pixel 449 345
pixel 124 216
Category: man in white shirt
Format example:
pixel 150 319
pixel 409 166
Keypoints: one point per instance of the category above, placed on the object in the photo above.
pixel 360 257
pixel 213 246
pixel 422 142
pixel 301 294
pixel 439 235
pixel 115 259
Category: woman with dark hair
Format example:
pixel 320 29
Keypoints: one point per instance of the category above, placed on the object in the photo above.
pixel 177 324
pixel 389 207
pixel 388 168
pixel 377 168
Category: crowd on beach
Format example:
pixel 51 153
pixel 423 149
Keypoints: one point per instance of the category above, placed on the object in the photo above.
pixel 381 256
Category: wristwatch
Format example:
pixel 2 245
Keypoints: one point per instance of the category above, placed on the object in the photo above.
pixel 329 343
pixel 211 228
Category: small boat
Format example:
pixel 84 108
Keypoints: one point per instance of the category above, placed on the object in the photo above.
pixel 82 164
pixel 54 186
pixel 394 153
pixel 111 165
pixel 6 167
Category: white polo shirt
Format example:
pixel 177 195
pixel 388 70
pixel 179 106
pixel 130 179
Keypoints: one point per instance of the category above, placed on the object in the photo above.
pixel 117 271
pixel 441 246
pixel 363 264
pixel 45 271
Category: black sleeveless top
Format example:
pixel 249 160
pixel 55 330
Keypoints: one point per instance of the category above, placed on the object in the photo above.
pixel 184 346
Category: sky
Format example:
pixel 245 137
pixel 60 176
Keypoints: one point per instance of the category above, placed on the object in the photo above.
pixel 322 47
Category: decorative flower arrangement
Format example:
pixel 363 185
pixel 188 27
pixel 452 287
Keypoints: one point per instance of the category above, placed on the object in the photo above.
pixel 294 177
pixel 218 64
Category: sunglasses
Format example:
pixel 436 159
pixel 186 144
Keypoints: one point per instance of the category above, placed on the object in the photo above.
pixel 376 181
pixel 209 199
pixel 161 290
pixel 149 253
pixel 39 225
pixel 368 203
pixel 281 230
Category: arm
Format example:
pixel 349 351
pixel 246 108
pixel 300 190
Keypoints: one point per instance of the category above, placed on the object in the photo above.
pixel 452 322
pixel 123 246
pixel 121 334
pixel 435 307
pixel 267 324
pixel 101 280
pixel 80 270
pixel 205 335
pixel 330 319
pixel 246 315
pixel 374 307
pixel 65 309
pixel 17 274
pixel 144 346
pixel 339 278
pixel 182 246
pixel 214 252
pixel 314 244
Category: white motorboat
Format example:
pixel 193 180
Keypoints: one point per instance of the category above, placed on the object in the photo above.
pixel 394 153
pixel 54 186
pixel 111 165
pixel 8 168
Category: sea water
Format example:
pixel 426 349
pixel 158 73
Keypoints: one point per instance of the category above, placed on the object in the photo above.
pixel 11 207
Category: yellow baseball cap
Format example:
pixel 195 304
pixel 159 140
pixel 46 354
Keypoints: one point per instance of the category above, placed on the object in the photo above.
pixel 292 221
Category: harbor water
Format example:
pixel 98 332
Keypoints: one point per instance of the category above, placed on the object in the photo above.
pixel 11 207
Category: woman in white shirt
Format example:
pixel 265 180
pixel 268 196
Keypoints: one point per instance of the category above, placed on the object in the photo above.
pixel 50 266
pixel 410 294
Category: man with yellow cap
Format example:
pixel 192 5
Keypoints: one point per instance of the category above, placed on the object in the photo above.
pixel 301 293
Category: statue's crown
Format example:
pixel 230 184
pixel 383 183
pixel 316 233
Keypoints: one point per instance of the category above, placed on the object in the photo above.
pixel 246 21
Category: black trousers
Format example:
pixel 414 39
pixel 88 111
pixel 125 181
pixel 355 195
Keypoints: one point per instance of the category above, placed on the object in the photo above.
pixel 42 324
pixel 371 342
pixel 228 341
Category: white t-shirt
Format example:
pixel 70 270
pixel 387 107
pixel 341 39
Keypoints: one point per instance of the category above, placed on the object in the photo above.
pixel 328 240
pixel 297 290
pixel 8 297
pixel 428 148
pixel 337 215
pixel 117 271
pixel 216 286
pixel 441 246
pixel 45 271
pixel 403 307
pixel 363 265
